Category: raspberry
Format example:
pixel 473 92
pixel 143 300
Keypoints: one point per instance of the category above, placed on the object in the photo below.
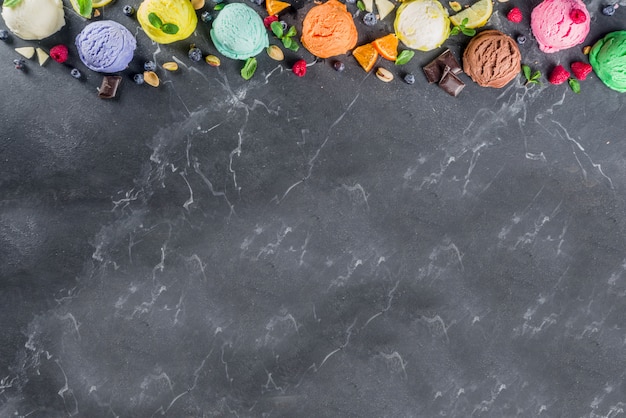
pixel 515 15
pixel 559 75
pixel 59 53
pixel 581 69
pixel 269 20
pixel 299 68
pixel 578 16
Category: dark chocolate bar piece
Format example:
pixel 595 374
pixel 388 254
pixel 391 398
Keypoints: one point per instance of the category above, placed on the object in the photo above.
pixel 450 83
pixel 434 70
pixel 109 86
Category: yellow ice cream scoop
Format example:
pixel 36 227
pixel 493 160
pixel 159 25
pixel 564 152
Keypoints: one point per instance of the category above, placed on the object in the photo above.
pixel 167 21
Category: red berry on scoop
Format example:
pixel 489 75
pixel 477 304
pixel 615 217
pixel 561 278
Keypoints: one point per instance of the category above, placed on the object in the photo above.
pixel 578 16
pixel 581 69
pixel 559 75
pixel 515 15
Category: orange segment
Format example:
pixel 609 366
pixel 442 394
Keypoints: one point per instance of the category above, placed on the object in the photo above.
pixel 366 55
pixel 275 6
pixel 387 46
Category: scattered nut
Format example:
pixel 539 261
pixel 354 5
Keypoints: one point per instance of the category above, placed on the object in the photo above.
pixel 170 66
pixel 197 4
pixel 384 75
pixel 586 50
pixel 275 53
pixel 455 5
pixel 151 78
pixel 212 60
pixel 96 13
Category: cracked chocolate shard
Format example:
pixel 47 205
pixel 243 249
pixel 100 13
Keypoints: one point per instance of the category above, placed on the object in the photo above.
pixel 435 69
pixel 450 83
pixel 108 88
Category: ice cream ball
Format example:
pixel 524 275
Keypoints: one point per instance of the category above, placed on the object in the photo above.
pixel 106 46
pixel 34 19
pixel 492 59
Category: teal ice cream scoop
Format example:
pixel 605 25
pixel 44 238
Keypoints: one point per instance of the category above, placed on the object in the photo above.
pixel 238 32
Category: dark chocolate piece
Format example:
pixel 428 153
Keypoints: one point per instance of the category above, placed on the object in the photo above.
pixel 435 69
pixel 109 86
pixel 450 83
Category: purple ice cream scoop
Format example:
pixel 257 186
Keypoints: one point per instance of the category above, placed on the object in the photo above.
pixel 106 46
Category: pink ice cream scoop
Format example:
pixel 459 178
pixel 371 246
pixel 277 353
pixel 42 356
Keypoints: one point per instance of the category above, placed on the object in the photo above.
pixel 559 24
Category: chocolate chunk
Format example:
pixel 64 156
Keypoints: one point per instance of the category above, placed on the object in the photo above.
pixel 435 69
pixel 450 83
pixel 109 86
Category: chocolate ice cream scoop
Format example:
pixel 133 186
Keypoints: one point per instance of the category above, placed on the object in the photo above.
pixel 492 59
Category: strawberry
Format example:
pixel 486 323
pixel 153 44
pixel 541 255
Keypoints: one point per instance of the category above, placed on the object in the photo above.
pixel 581 69
pixel 559 75
pixel 515 15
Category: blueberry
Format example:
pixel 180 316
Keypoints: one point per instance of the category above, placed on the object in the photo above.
pixel 206 17
pixel 75 73
pixel 258 2
pixel 339 66
pixel 4 35
pixel 370 19
pixel 195 54
pixel 608 10
pixel 128 10
pixel 409 78
pixel 19 64
pixel 521 39
pixel 350 1
pixel 149 66
pixel 138 78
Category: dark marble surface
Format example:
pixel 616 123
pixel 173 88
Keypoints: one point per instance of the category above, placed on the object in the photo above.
pixel 330 246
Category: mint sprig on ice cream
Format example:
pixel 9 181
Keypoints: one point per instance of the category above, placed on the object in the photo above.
pixel 11 3
pixel 169 28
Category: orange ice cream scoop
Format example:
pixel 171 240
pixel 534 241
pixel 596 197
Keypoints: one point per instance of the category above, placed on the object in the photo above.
pixel 328 30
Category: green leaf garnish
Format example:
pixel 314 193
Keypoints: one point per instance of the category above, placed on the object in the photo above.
pixel 404 57
pixel 249 68
pixel 526 71
pixel 291 32
pixel 287 42
pixel 574 84
pixel 531 78
pixel 462 29
pixel 294 46
pixel 11 3
pixel 83 7
pixel 169 28
pixel 219 7
pixel 360 5
pixel 155 20
pixel 277 29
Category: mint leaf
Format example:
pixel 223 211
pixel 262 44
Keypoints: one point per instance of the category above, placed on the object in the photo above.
pixel 291 32
pixel 84 8
pixel 526 71
pixel 455 31
pixel 11 3
pixel 574 84
pixel 404 57
pixel 468 32
pixel 464 21
pixel 535 77
pixel 277 28
pixel 249 68
pixel 169 28
pixel 294 46
pixel 287 42
pixel 360 5
pixel 219 7
pixel 155 20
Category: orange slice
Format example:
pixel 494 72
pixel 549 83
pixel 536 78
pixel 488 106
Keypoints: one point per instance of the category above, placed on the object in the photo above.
pixel 387 46
pixel 274 7
pixel 366 55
